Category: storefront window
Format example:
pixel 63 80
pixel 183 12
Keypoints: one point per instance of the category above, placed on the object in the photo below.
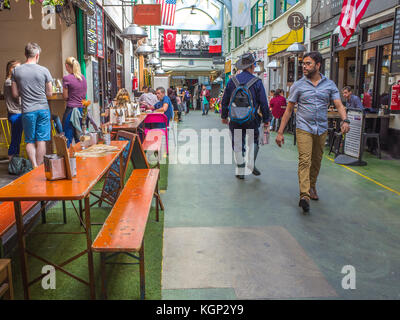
pixel 290 3
pixel 380 31
pixel 384 87
pixel 260 21
pixel 368 64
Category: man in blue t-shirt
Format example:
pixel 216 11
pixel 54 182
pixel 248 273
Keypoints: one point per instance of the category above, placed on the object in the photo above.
pixel 165 103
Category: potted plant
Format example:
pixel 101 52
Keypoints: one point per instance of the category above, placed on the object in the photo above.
pixel 58 4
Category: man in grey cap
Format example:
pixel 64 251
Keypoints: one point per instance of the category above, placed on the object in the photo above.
pixel 239 129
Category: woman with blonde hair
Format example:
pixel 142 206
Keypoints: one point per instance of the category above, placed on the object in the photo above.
pixel 75 88
pixel 14 111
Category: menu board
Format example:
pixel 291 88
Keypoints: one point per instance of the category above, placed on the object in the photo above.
pixel 96 82
pixel 100 31
pixel 91 35
pixel 395 63
pixel 352 144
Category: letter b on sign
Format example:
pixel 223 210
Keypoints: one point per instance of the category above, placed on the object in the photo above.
pixel 349 280
pixel 49 280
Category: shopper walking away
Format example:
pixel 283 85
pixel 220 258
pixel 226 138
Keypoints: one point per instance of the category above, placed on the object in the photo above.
pixel 244 96
pixel 14 111
pixel 205 100
pixel 34 84
pixel 75 88
pixel 276 104
pixel 312 93
pixel 172 96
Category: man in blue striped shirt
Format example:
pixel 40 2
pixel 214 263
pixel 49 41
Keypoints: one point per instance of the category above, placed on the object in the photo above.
pixel 312 93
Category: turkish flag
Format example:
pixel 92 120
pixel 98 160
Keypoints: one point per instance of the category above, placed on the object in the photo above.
pixel 169 41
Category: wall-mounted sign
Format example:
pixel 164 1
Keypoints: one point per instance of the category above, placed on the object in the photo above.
pixel 395 62
pixel 96 81
pixel 100 31
pixel 218 60
pixel 295 21
pixel 91 32
pixel 147 14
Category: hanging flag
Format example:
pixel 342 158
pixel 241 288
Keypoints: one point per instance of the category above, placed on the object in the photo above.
pixel 215 42
pixel 241 13
pixel 169 41
pixel 168 8
pixel 352 12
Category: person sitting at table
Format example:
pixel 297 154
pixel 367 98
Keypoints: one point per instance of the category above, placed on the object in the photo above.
pixel 75 88
pixel 165 103
pixel 148 98
pixel 352 101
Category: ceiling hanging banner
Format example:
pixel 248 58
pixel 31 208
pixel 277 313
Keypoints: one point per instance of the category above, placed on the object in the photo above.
pixel 241 13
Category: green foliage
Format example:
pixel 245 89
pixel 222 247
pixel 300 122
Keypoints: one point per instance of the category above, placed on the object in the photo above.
pixel 52 3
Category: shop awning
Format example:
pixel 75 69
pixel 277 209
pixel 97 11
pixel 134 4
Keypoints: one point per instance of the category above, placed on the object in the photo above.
pixel 282 43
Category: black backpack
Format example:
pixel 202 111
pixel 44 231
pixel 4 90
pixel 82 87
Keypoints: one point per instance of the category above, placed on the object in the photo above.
pixel 241 106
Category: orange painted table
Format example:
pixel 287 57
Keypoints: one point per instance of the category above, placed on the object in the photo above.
pixel 33 186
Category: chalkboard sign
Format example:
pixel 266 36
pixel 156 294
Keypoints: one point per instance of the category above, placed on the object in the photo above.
pixel 91 36
pixel 100 31
pixel 96 84
pixel 395 64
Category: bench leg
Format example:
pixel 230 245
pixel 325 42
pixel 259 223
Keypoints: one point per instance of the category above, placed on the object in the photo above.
pixel 42 205
pixel 142 275
pixel 64 212
pixel 103 275
pixel 80 211
pixel 157 209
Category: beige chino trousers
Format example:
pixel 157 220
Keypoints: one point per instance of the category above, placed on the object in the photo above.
pixel 311 148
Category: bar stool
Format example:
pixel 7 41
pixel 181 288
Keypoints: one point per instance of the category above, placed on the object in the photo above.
pixel 5 131
pixel 335 144
pixel 366 136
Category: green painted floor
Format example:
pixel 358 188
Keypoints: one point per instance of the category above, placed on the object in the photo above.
pixel 356 222
pixel 123 280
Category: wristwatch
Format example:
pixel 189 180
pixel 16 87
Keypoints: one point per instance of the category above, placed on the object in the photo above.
pixel 347 121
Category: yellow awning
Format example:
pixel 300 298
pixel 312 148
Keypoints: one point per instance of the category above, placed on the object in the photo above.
pixel 285 41
pixel 228 66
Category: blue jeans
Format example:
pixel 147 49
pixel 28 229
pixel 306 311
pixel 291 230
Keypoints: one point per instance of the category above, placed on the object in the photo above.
pixel 205 107
pixel 16 133
pixel 69 130
pixel 37 126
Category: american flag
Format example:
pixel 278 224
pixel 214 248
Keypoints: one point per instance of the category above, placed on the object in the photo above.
pixel 168 8
pixel 352 12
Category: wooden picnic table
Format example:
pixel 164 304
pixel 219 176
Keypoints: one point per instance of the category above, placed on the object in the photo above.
pixel 33 186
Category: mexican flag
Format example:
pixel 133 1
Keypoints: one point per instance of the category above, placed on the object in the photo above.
pixel 215 42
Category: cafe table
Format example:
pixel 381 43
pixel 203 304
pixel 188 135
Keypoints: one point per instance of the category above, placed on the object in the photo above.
pixel 33 186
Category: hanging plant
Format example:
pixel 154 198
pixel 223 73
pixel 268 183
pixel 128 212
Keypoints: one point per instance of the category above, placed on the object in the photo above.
pixel 58 4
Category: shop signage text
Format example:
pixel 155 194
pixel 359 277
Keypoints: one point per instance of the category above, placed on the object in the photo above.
pixel 395 63
pixel 147 14
pixel 295 21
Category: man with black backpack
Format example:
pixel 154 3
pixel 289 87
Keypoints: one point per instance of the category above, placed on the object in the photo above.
pixel 243 97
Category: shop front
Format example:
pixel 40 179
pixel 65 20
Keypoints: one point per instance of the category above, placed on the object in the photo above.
pixel 55 35
pixel 283 76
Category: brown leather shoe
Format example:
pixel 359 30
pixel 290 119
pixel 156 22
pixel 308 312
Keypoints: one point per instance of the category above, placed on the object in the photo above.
pixel 313 194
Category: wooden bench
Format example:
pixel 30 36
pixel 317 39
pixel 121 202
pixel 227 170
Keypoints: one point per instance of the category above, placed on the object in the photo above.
pixel 124 228
pixel 6 287
pixel 152 144
pixel 7 218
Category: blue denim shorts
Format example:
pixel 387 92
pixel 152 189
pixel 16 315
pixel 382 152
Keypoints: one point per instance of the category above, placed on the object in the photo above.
pixel 37 125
